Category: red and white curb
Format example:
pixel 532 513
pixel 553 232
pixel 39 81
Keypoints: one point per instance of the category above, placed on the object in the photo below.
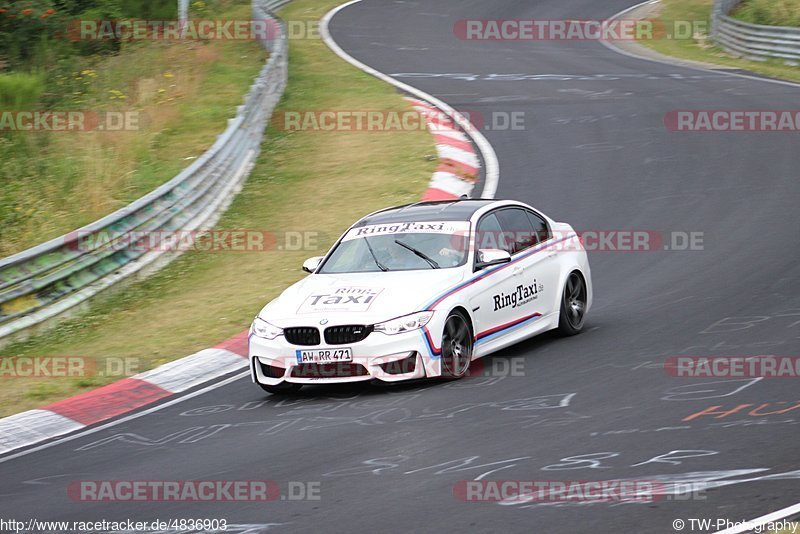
pixel 124 396
pixel 459 165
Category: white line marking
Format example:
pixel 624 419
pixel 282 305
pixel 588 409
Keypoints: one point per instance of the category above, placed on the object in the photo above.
pixel 127 418
pixel 488 153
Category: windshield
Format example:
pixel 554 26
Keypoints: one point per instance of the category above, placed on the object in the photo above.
pixel 400 247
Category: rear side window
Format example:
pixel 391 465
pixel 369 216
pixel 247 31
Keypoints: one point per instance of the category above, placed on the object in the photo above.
pixel 539 226
pixel 518 228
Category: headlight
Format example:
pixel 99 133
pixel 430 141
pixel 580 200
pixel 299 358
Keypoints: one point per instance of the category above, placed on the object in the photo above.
pixel 263 329
pixel 406 323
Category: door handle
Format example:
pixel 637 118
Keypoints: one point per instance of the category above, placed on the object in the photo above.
pixel 517 271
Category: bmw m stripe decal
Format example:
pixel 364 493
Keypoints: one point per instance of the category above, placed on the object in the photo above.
pixel 481 337
pixel 490 272
pixel 426 336
pixel 488 334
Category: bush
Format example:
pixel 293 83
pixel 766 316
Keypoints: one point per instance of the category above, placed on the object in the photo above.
pixel 770 12
pixel 19 90
pixel 23 26
pixel 34 33
pixel 152 10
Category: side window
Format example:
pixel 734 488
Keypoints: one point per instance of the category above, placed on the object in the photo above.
pixel 518 229
pixel 539 226
pixel 489 234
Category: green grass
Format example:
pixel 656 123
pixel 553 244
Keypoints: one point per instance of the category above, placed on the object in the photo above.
pixel 792 529
pixel 302 181
pixel 55 182
pixel 769 12
pixel 20 89
pixel 701 49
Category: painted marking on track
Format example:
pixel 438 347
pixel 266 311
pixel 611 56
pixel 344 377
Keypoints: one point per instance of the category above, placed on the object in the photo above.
pixel 126 418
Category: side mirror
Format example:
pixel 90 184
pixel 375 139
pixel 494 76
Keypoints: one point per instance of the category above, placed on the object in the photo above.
pixel 492 256
pixel 311 264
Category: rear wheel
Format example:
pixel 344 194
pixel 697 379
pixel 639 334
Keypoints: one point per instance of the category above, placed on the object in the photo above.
pixel 573 305
pixel 456 346
pixel 284 388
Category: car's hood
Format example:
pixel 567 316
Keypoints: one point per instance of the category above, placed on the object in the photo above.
pixel 358 298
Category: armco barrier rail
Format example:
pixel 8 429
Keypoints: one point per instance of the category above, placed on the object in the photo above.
pixel 752 41
pixel 41 283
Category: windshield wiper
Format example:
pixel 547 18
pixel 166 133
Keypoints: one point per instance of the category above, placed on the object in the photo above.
pixel 418 253
pixel 381 266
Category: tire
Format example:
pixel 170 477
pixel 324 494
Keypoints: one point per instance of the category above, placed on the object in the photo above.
pixel 284 388
pixel 457 345
pixel 573 305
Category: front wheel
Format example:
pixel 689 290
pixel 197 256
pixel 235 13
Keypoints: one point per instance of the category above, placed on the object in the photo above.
pixel 456 347
pixel 284 388
pixel 573 305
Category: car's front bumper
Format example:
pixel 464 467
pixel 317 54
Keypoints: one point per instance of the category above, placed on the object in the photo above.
pixel 383 357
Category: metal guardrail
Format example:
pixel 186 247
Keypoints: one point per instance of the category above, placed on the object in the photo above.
pixel 44 282
pixel 752 41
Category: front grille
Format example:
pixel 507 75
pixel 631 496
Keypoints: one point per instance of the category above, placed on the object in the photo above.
pixel 329 370
pixel 341 335
pixel 302 335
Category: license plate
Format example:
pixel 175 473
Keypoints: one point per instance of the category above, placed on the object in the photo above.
pixel 324 355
